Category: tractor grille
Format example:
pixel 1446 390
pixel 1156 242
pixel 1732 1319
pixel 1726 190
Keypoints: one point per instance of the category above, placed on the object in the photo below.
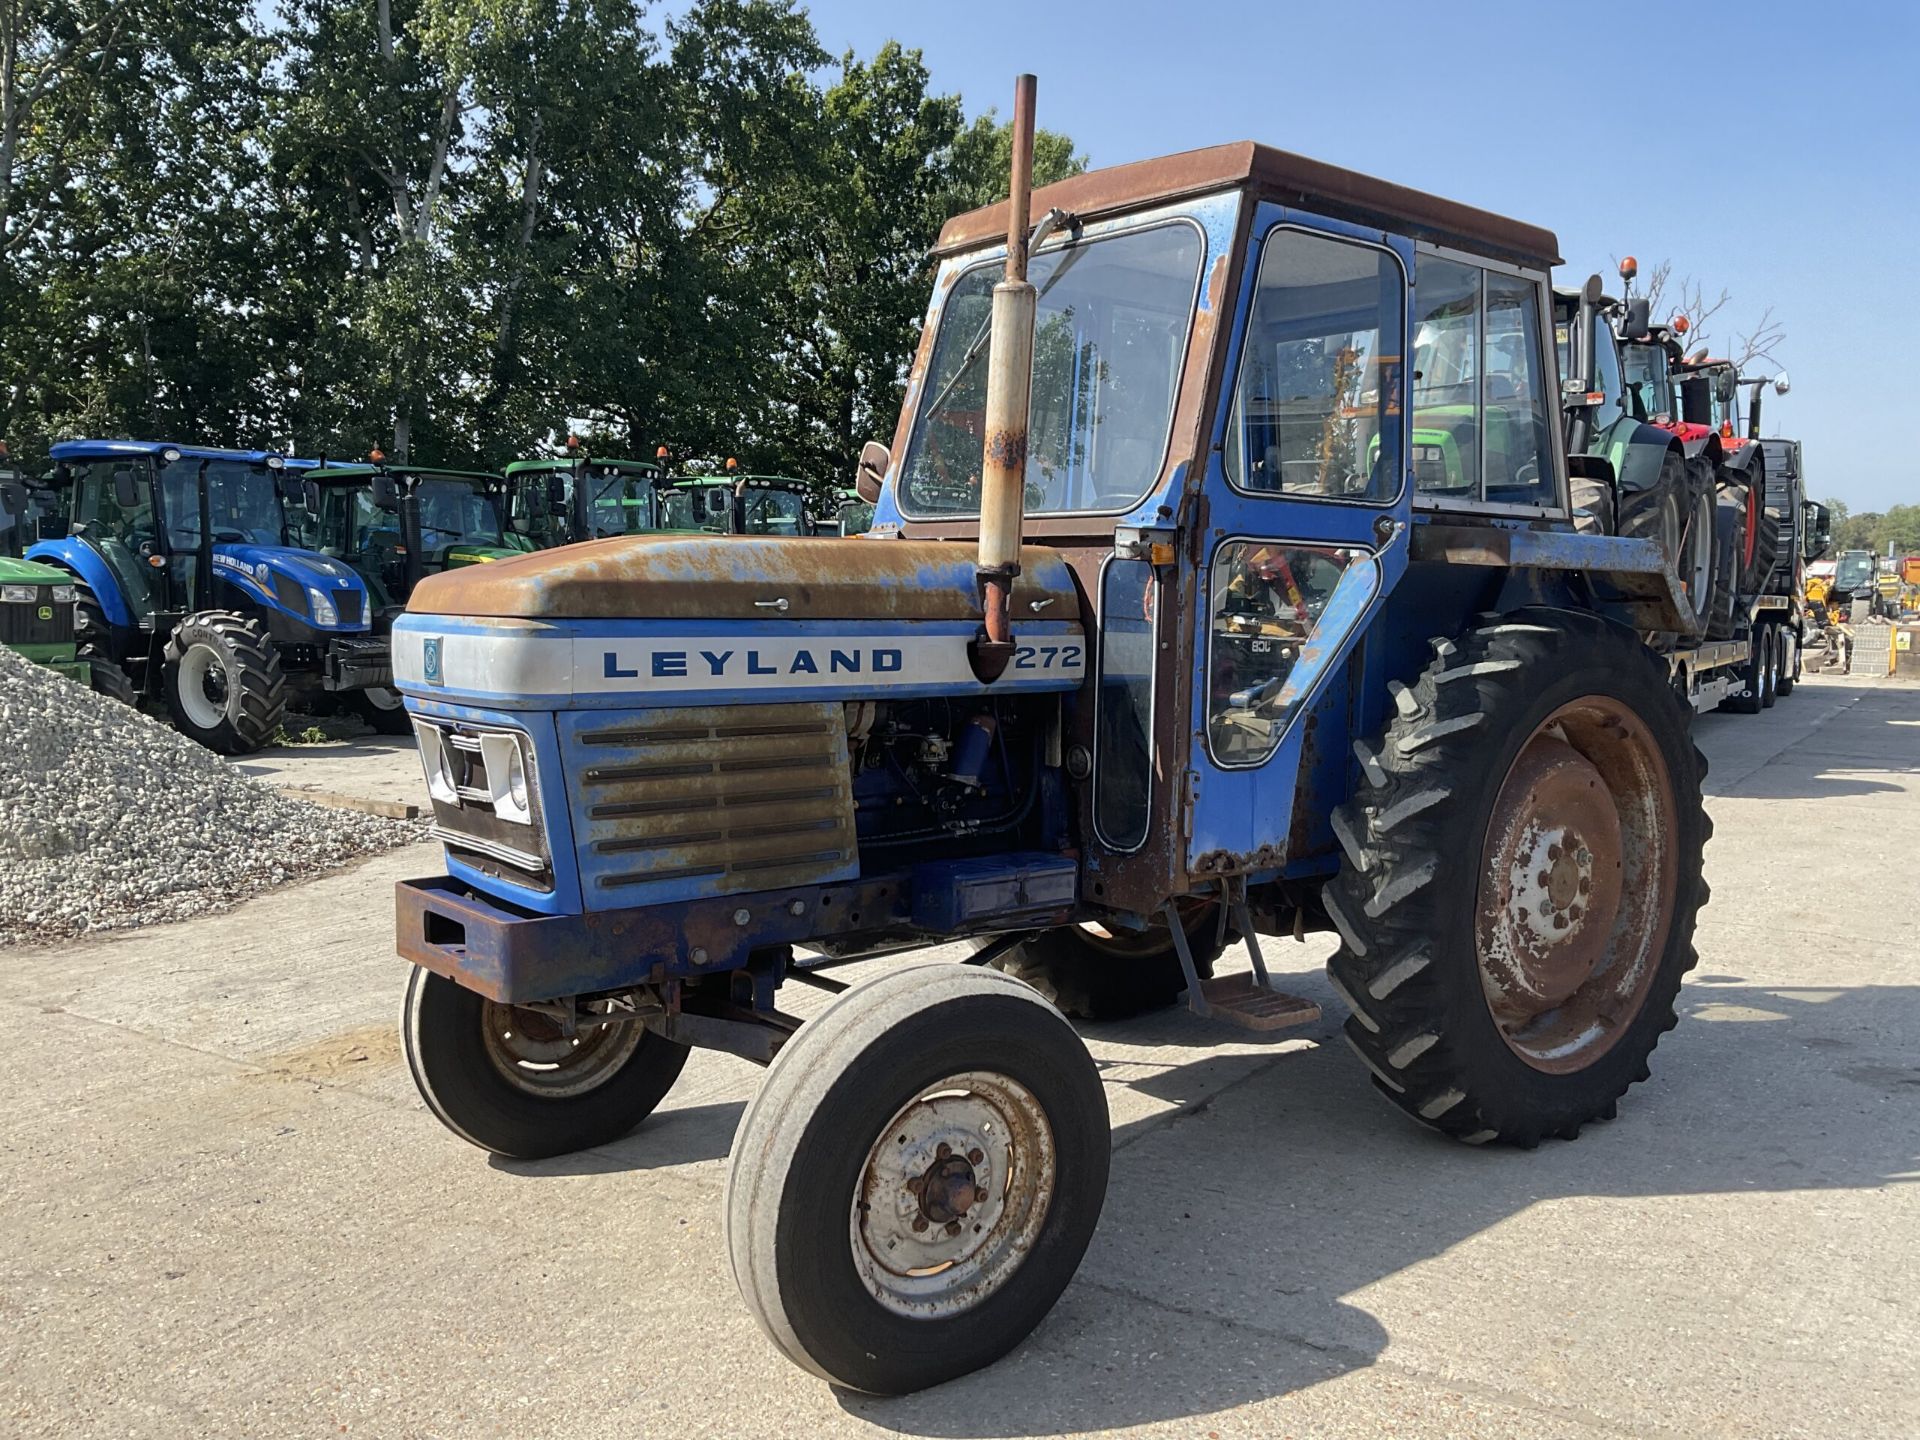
pixel 20 622
pixel 677 804
pixel 347 603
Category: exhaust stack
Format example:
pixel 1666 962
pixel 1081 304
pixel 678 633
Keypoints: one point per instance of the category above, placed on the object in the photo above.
pixel 1003 462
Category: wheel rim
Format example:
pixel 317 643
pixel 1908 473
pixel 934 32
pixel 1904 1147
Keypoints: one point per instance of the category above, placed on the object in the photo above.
pixel 1581 870
pixel 203 686
pixel 381 698
pixel 953 1195
pixel 1696 560
pixel 1152 942
pixel 531 1053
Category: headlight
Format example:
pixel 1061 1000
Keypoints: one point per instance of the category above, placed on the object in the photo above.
pixel 19 594
pixel 323 611
pixel 506 777
pixel 433 759
pixel 65 594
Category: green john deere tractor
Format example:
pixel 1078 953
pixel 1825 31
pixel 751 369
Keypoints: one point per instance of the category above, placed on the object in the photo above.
pixel 560 501
pixel 394 524
pixel 38 602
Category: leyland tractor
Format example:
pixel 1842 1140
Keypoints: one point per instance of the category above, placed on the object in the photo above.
pixel 394 524
pixel 558 502
pixel 1158 641
pixel 187 577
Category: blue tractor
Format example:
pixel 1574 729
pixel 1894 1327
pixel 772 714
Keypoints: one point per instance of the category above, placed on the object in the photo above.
pixel 1164 633
pixel 186 578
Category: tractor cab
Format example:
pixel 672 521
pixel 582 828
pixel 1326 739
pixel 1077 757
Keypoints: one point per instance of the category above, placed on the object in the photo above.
pixel 191 575
pixel 561 501
pixel 852 515
pixel 396 523
pixel 735 504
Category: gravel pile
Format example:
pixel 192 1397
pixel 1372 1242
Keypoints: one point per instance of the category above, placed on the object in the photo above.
pixel 109 819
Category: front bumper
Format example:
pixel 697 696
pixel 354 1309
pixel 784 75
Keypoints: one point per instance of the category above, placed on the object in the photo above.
pixel 357 664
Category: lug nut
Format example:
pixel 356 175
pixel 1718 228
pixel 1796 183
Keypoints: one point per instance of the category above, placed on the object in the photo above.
pixel 976 1155
pixel 919 1223
pixel 698 956
pixel 979 1194
pixel 953 1227
pixel 917 1184
pixel 742 916
pixel 942 1150
pixel 797 908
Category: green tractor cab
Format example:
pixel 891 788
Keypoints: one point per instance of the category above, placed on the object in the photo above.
pixel 558 502
pixel 393 525
pixel 851 516
pixel 734 504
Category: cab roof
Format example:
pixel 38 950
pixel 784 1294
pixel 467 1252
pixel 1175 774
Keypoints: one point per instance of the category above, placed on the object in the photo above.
pixel 1268 174
pixel 343 473
pixel 108 449
pixel 530 467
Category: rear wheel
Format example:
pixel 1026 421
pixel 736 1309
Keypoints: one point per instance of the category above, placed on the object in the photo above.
pixel 1770 666
pixel 918 1178
pixel 511 1081
pixel 223 681
pixel 1093 973
pixel 1523 871
pixel 1751 696
pixel 383 710
pixel 1789 662
pixel 1677 514
pixel 1727 522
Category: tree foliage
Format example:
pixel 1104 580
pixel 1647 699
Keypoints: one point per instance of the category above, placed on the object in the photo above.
pixel 1898 527
pixel 450 227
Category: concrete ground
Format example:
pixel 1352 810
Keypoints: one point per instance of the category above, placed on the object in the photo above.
pixel 379 774
pixel 225 1212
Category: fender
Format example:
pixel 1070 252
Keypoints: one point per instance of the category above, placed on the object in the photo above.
pixel 1636 450
pixel 1742 460
pixel 1695 440
pixel 90 566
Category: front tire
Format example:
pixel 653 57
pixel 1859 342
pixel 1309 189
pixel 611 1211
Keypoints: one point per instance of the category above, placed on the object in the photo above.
pixel 108 679
pixel 918 1178
pixel 1115 975
pixel 507 1080
pixel 1522 875
pixel 383 710
pixel 223 682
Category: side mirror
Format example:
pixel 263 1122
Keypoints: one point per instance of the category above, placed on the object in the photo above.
pixel 310 496
pixel 717 501
pixel 126 489
pixel 556 493
pixel 386 494
pixel 875 459
pixel 1781 384
pixel 1637 325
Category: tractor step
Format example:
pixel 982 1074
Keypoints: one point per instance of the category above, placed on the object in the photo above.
pixel 1242 1000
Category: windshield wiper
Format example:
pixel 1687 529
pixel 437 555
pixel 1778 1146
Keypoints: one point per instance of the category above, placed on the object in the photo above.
pixel 1053 220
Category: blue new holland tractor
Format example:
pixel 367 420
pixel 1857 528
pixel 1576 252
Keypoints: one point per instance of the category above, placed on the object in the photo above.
pixel 187 579
pixel 1167 631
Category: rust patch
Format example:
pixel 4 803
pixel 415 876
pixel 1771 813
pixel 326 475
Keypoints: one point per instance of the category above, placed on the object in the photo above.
pixel 1007 450
pixel 366 1049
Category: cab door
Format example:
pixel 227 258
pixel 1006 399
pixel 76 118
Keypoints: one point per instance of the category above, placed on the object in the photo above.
pixel 1308 507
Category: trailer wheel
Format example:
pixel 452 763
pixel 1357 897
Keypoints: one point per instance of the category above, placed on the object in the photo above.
pixel 1100 974
pixel 510 1081
pixel 1522 876
pixel 918 1178
pixel 1677 514
pixel 1770 668
pixel 382 709
pixel 1790 662
pixel 223 681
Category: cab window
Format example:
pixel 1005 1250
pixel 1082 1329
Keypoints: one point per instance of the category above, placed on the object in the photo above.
pixel 1316 411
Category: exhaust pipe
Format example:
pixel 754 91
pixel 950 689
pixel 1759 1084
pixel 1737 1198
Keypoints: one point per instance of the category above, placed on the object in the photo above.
pixel 1003 462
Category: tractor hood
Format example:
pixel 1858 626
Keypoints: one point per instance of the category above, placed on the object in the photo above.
pixel 743 577
pixel 30 572
pixel 282 577
pixel 667 620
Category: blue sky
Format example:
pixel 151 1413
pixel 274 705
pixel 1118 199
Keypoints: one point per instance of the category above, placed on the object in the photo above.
pixel 1769 149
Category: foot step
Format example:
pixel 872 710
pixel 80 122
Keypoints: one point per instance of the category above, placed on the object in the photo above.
pixel 1241 1000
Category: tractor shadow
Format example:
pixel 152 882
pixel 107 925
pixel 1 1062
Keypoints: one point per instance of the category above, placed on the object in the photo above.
pixel 1240 1227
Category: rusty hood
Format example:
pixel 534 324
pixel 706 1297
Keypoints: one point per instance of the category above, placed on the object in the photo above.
pixel 743 577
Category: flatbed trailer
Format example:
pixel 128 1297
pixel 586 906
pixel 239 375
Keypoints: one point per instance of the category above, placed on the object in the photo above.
pixel 1747 673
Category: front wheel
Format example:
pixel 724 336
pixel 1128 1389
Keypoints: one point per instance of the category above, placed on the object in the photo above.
pixel 511 1081
pixel 108 679
pixel 918 1178
pixel 223 682
pixel 1521 879
pixel 382 709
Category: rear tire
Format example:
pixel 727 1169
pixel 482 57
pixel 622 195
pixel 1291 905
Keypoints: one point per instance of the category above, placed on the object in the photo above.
pixel 1674 515
pixel 918 1178
pixel 1595 498
pixel 1478 1014
pixel 506 1080
pixel 1113 977
pixel 1789 669
pixel 1770 668
pixel 1726 570
pixel 1752 679
pixel 223 682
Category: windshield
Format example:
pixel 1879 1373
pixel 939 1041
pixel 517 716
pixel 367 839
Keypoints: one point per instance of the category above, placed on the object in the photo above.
pixel 698 507
pixel 243 502
pixel 1852 572
pixel 1648 380
pixel 773 512
pixel 1109 335
pixel 621 502
pixel 457 512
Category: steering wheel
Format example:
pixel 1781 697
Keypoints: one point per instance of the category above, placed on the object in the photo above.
pixel 222 533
